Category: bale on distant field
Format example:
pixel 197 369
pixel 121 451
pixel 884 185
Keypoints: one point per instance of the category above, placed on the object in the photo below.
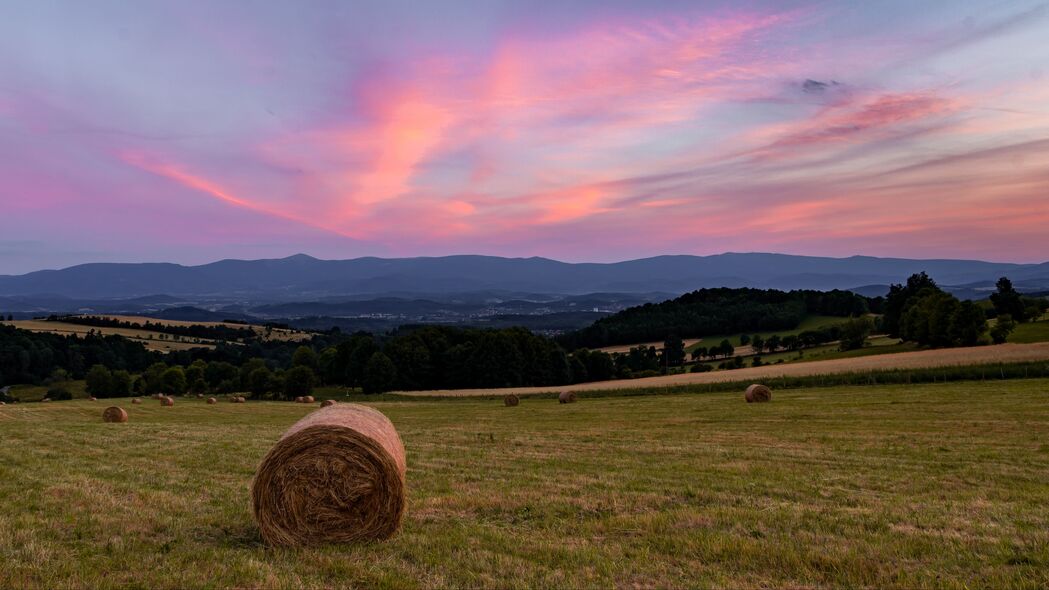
pixel 212 400
pixel 308 399
pixel 241 399
pixel 114 414
pixel 300 400
pixel 566 397
pixel 200 396
pixel 167 401
pixel 136 401
pixel 511 400
pixel 336 476
pixel 92 399
pixel 3 403
pixel 758 393
pixel 327 402
pixel 46 399
pixel 157 396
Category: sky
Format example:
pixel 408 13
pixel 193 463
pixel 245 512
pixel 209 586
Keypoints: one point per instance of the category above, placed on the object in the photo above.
pixel 190 131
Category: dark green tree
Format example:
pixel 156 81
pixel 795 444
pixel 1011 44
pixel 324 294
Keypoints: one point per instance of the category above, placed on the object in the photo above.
pixel 380 374
pixel 1007 301
pixel 298 381
pixel 99 381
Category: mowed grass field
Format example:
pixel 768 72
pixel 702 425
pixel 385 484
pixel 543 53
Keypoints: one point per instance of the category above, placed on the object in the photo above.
pixel 878 486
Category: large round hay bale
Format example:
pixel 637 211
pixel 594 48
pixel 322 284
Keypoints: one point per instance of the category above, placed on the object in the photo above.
pixel 212 400
pixel 758 393
pixel 566 397
pixel 3 403
pixel 511 400
pixel 167 401
pixel 136 401
pixel 114 414
pixel 300 399
pixel 327 402
pixel 336 476
pixel 308 399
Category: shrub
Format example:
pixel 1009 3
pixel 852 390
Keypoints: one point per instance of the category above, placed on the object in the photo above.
pixel 59 393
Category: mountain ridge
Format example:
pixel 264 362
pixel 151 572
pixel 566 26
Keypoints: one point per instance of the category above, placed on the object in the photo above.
pixel 301 277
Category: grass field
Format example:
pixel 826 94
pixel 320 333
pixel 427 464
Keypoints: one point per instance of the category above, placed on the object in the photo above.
pixel 891 486
pixel 1031 332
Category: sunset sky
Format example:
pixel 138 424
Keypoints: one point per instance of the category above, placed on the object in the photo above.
pixel 192 130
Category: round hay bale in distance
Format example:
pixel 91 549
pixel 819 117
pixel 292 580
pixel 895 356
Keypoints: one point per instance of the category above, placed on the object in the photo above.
pixel 300 399
pixel 308 399
pixel 327 402
pixel 757 393
pixel 92 399
pixel 114 414
pixel 566 397
pixel 336 476
pixel 136 401
pixel 241 399
pixel 167 401
pixel 212 400
pixel 511 400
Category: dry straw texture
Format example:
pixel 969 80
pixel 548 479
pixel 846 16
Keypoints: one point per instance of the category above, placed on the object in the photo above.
pixel 758 393
pixel 511 400
pixel 167 401
pixel 566 397
pixel 114 414
pixel 336 476
pixel 327 402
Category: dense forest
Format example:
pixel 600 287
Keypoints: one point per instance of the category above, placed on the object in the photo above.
pixel 716 311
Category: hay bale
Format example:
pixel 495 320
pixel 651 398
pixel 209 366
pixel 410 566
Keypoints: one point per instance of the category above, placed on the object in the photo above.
pixel 3 403
pixel 212 400
pixel 167 401
pixel 308 399
pixel 114 414
pixel 92 399
pixel 46 399
pixel 327 402
pixel 200 396
pixel 758 393
pixel 336 476
pixel 511 400
pixel 136 401
pixel 566 397
pixel 299 399
pixel 241 399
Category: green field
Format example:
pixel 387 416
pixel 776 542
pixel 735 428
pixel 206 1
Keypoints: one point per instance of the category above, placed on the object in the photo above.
pixel 1031 332
pixel 898 486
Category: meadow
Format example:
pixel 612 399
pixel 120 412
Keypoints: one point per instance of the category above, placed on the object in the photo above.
pixel 883 486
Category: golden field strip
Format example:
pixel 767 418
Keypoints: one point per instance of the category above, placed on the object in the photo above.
pixel 922 359
pixel 268 334
pixel 152 340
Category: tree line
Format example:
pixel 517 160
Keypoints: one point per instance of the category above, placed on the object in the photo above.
pixel 717 311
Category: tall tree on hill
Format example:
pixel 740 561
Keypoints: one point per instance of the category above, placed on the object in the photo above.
pixel 898 298
pixel 674 351
pixel 1007 301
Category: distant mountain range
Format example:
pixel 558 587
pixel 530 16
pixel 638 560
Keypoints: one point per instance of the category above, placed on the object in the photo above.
pixel 301 278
